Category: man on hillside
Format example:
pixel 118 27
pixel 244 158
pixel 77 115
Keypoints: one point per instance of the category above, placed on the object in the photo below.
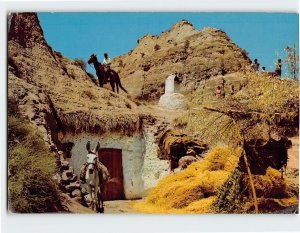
pixel 263 71
pixel 106 60
pixel 255 66
pixel 278 68
pixel 218 92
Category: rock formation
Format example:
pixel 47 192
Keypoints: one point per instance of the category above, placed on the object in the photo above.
pixel 195 55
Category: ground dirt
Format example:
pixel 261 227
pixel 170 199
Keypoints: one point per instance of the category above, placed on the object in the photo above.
pixel 111 207
pixel 292 169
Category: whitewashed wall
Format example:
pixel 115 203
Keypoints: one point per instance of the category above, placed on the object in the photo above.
pixel 133 149
pixel 142 168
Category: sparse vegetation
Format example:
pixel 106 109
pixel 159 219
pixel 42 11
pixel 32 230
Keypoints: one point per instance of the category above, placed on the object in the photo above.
pixel 80 62
pixel 245 53
pixel 292 60
pixel 30 167
pixel 72 74
pixel 92 78
pixel 88 94
pixel 156 47
pixel 58 54
pixel 186 45
pixel 121 64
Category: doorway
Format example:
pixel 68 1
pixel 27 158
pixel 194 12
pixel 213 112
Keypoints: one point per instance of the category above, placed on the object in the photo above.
pixel 112 159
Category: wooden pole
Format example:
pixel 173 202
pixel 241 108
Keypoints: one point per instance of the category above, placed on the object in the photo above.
pixel 251 183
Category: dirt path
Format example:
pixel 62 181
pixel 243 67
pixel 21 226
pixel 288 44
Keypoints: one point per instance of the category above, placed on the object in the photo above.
pixel 164 114
pixel 293 161
pixel 111 207
pixel 120 206
pixel 292 168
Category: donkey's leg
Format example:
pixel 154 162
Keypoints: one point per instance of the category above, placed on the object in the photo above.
pixel 90 190
pixel 96 198
pixel 101 210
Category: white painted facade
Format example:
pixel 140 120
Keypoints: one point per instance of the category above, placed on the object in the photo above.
pixel 153 169
pixel 171 86
pixel 172 99
pixel 142 168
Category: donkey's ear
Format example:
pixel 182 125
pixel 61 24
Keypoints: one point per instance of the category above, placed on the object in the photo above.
pixel 88 146
pixel 97 147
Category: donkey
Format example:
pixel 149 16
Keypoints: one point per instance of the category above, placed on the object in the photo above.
pixel 95 178
pixel 110 74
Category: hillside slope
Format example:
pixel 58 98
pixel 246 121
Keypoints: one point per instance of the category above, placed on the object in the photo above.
pixel 50 87
pixel 195 55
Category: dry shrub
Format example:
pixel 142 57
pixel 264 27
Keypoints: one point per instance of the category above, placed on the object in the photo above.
pixel 271 104
pixel 80 62
pixel 270 185
pixel 271 205
pixel 185 192
pixel 88 94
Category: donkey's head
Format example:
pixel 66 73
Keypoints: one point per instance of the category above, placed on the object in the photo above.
pixel 92 156
pixel 92 59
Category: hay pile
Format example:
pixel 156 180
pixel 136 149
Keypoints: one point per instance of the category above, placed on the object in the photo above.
pixel 195 189
pixel 273 192
pixel 217 185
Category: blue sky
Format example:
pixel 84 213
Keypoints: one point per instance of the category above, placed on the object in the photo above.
pixel 78 35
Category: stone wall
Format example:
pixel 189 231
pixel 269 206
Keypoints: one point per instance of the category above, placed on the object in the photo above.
pixel 154 169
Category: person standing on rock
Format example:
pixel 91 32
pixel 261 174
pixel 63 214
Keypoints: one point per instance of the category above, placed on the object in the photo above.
pixel 263 71
pixel 255 65
pixel 278 67
pixel 232 90
pixel 218 92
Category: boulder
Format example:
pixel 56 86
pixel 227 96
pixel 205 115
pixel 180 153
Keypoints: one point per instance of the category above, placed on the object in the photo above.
pixel 87 199
pixel 65 178
pixel 73 178
pixel 56 178
pixel 64 165
pixel 185 161
pixel 84 191
pixel 72 186
pixel 76 193
pixel 191 152
pixel 175 145
pixel 67 175
pixel 172 101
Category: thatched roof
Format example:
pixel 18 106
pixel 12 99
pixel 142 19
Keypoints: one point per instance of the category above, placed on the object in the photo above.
pixel 260 108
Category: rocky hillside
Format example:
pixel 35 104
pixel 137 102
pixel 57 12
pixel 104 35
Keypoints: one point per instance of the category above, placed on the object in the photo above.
pixel 195 55
pixel 54 91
